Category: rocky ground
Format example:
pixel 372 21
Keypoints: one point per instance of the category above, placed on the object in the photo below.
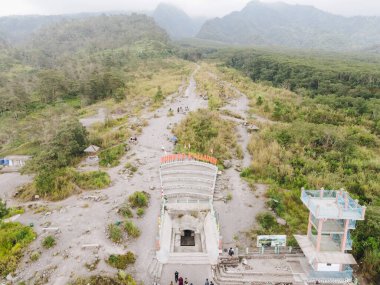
pixel 79 222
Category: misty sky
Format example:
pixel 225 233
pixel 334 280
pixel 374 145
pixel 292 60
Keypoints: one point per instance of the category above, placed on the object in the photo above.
pixel 209 8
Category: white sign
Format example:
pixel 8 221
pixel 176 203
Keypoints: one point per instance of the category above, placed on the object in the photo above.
pixel 271 240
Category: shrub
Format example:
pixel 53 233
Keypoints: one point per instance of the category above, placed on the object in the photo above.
pixel 3 209
pixel 121 261
pixel 229 196
pixel 92 180
pixel 139 199
pixel 125 211
pixel 34 256
pixel 132 168
pixel 132 230
pixel 140 212
pixel 48 242
pixel 114 233
pixel 110 157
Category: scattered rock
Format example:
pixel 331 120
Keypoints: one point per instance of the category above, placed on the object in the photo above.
pixel 227 164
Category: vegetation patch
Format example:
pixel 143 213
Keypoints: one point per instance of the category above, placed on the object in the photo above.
pixel 110 157
pixel 92 180
pixel 205 132
pixel 139 199
pixel 49 242
pixel 121 261
pixel 132 230
pixel 121 279
pixel 115 233
pixel 14 238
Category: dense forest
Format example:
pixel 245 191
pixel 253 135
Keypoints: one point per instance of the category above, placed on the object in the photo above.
pixel 327 110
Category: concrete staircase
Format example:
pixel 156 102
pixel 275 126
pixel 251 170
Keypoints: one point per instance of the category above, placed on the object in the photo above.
pixel 188 258
pixel 222 277
pixel 155 269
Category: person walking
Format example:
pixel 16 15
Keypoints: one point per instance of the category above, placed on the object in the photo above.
pixel 171 283
pixel 207 283
pixel 186 282
pixel 211 283
pixel 176 276
pixel 180 281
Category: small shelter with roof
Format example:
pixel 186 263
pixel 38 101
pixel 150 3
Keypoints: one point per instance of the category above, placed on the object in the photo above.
pixel 92 150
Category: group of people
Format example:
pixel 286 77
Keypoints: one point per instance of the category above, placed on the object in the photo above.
pixel 178 279
pixel 180 109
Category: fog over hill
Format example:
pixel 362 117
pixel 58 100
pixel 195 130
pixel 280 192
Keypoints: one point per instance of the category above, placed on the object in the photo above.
pixel 294 26
pixel 176 22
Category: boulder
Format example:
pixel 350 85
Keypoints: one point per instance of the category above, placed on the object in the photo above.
pixel 227 163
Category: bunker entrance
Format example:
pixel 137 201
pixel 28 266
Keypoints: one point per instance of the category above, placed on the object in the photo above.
pixel 188 238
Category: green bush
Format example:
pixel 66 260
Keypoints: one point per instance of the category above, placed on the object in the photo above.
pixel 121 261
pixel 92 180
pixel 110 157
pixel 49 242
pixel 132 230
pixel 139 199
pixel 115 233
pixel 140 212
pixel 4 211
pixel 14 238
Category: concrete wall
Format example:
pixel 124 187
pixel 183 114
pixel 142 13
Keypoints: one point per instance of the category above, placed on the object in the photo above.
pixel 165 239
pixel 212 238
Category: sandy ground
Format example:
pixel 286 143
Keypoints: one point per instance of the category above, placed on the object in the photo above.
pixel 82 219
pixel 97 118
pixel 9 182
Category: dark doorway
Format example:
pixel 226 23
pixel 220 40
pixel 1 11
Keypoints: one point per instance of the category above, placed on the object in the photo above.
pixel 188 238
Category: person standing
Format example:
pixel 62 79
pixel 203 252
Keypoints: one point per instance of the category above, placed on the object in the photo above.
pixel 180 281
pixel 207 283
pixel 186 282
pixel 176 276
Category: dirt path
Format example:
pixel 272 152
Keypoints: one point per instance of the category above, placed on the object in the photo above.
pixel 237 216
pixel 97 118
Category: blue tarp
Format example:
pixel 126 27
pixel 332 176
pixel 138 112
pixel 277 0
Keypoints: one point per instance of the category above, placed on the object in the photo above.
pixel 4 161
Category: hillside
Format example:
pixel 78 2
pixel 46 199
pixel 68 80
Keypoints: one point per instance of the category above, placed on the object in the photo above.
pixel 176 22
pixel 19 28
pixel 293 26
pixel 96 33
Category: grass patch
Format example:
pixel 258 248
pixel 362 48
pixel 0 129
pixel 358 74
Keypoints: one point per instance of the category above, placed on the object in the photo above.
pixel 110 157
pixel 125 210
pixel 92 180
pixel 121 279
pixel 207 133
pixel 139 199
pixel 132 168
pixel 140 212
pixel 49 242
pixel 115 233
pixel 121 261
pixel 14 238
pixel 229 197
pixel 131 229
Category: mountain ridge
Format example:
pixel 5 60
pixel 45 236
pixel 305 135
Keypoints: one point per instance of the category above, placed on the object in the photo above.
pixel 294 26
